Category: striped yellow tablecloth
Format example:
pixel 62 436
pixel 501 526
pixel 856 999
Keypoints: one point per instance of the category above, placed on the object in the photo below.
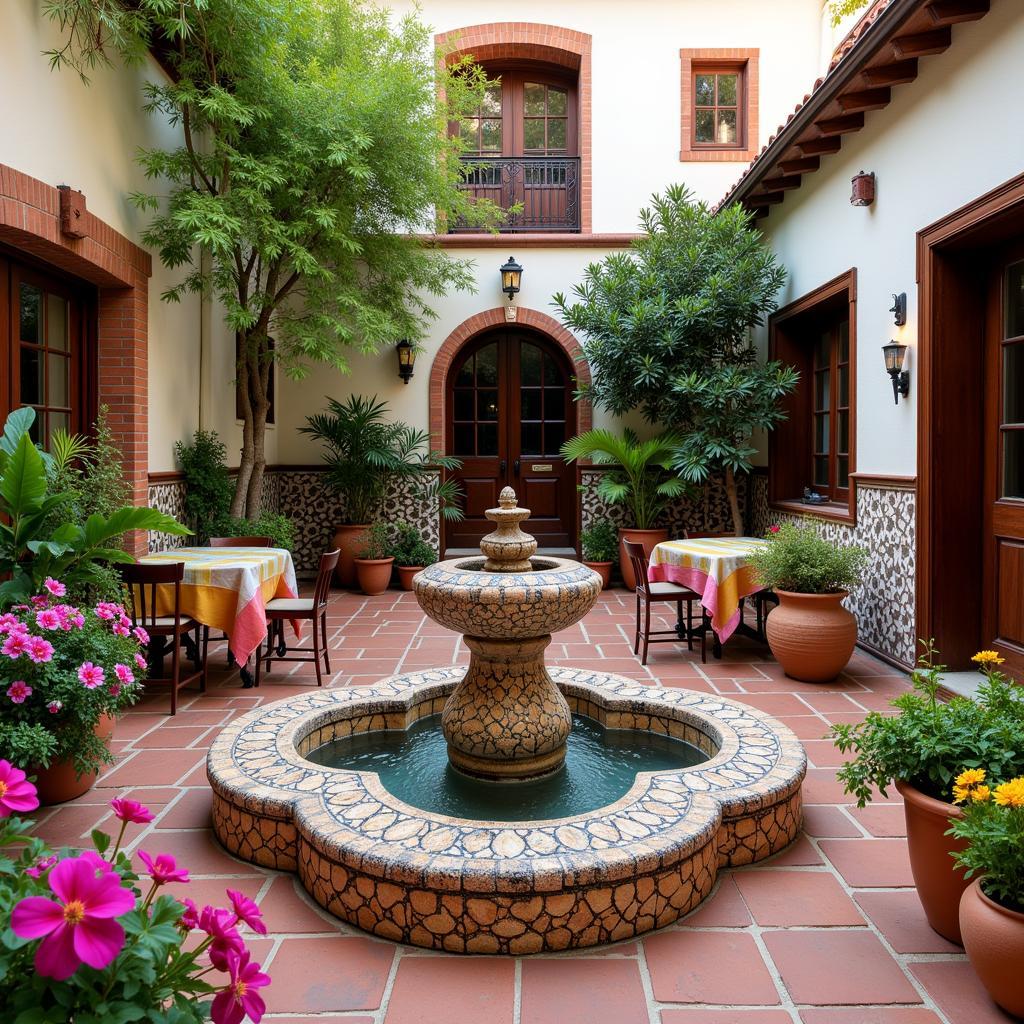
pixel 227 588
pixel 714 567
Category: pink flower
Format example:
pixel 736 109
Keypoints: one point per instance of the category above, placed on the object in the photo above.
pixel 19 691
pixel 141 635
pixel 773 529
pixel 247 911
pixel 104 610
pixel 90 675
pixel 16 643
pixel 77 927
pixel 54 706
pixel 121 630
pixel 163 869
pixel 220 926
pixel 40 650
pixel 42 867
pixel 55 587
pixel 9 621
pixel 48 619
pixel 16 794
pixel 40 601
pixel 190 918
pixel 70 616
pixel 141 662
pixel 114 689
pixel 92 858
pixel 131 811
pixel 239 998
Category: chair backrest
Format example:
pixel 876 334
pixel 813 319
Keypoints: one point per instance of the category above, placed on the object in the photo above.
pixel 142 580
pixel 687 535
pixel 241 542
pixel 638 559
pixel 328 561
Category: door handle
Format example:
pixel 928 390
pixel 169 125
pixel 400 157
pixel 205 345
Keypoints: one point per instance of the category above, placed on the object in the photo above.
pixel 515 467
pixel 503 465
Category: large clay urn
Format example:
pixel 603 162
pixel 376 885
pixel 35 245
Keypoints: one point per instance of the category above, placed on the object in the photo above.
pixel 60 783
pixel 811 635
pixel 648 538
pixel 939 882
pixel 348 540
pixel 994 940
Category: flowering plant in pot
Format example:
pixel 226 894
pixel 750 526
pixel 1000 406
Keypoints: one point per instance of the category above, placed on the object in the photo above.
pixel 374 560
pixel 810 633
pixel 411 553
pixel 992 906
pixel 85 938
pixel 921 749
pixel 599 544
pixel 68 671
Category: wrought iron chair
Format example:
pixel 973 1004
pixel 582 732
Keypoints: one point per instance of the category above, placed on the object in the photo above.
pixel 647 593
pixel 312 609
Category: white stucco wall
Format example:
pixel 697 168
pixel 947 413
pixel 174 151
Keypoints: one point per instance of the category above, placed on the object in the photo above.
pixel 945 139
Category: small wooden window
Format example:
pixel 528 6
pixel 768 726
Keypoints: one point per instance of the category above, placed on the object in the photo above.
pixel 483 133
pixel 830 415
pixel 719 104
pixel 718 114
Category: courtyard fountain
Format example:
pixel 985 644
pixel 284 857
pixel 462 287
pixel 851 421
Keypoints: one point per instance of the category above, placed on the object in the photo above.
pixel 459 809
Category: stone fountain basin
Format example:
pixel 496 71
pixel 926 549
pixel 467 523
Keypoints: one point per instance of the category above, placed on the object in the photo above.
pixel 507 606
pixel 498 887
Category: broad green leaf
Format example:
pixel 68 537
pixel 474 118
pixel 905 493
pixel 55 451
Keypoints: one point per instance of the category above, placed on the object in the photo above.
pixel 23 484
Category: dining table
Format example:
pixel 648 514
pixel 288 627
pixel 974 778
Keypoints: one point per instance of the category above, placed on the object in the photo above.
pixel 228 589
pixel 719 570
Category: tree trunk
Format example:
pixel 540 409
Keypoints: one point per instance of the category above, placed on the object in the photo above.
pixel 245 463
pixel 734 504
pixel 254 492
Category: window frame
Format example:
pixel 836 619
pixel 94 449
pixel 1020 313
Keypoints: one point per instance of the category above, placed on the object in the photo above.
pixel 742 62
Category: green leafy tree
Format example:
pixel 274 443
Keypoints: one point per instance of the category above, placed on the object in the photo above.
pixel 207 481
pixel 313 141
pixel 668 327
pixel 839 9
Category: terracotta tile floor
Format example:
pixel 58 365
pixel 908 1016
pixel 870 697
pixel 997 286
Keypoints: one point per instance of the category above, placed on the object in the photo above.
pixel 828 932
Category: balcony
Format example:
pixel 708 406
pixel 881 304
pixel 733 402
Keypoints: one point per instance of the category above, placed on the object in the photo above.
pixel 547 187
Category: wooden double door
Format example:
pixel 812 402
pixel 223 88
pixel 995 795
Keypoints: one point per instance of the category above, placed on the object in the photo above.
pixel 509 409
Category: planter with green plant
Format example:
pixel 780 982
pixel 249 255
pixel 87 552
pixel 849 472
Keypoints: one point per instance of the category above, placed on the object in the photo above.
pixel 365 452
pixel 920 750
pixel 810 633
pixel 641 479
pixel 412 553
pixel 374 559
pixel 992 906
pixel 599 544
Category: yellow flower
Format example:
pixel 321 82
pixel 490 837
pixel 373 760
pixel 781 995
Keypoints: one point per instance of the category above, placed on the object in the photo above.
pixel 986 659
pixel 970 777
pixel 980 794
pixel 1011 794
pixel 960 794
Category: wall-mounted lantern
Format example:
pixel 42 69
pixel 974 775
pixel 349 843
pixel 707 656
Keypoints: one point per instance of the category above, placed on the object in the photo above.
pixel 899 309
pixel 894 354
pixel 863 193
pixel 511 277
pixel 406 359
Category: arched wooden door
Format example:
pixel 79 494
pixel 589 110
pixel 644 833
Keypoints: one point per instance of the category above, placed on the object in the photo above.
pixel 509 408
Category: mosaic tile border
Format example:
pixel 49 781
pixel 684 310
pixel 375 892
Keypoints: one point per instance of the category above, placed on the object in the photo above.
pixel 478 887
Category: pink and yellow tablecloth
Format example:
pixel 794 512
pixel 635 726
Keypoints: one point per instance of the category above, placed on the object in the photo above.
pixel 228 588
pixel 714 567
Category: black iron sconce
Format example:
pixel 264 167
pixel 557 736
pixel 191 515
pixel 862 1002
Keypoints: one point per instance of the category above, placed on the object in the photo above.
pixel 894 355
pixel 406 359
pixel 899 309
pixel 511 277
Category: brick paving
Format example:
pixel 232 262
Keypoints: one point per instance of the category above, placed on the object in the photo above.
pixel 827 932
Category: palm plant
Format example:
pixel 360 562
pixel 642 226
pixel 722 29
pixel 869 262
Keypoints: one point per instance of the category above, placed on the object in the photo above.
pixel 643 479
pixel 365 450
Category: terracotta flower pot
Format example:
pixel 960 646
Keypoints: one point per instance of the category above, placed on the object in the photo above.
pixel 373 574
pixel 406 574
pixel 649 539
pixel 939 882
pixel 59 783
pixel 603 569
pixel 811 635
pixel 348 540
pixel 994 940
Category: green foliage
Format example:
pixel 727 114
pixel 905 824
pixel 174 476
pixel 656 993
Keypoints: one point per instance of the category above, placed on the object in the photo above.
pixel 600 541
pixel 801 560
pixel 73 552
pixel 642 481
pixel 208 486
pixel 376 542
pixel 668 327
pixel 409 547
pixel 929 742
pixel 840 9
pixel 364 451
pixel 275 525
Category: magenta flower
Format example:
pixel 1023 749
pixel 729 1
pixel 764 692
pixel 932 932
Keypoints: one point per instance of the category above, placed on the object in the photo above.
pixel 16 643
pixel 42 867
pixel 131 811
pixel 78 926
pixel 120 629
pixel 40 601
pixel 55 587
pixel 163 869
pixel 220 926
pixel 9 621
pixel 70 616
pixel 19 691
pixel 140 661
pixel 104 610
pixel 190 918
pixel 90 675
pixel 239 998
pixel 48 618
pixel 247 911
pixel 16 794
pixel 97 862
pixel 40 650
pixel 773 529
pixel 141 635
pixel 124 673
pixel 54 706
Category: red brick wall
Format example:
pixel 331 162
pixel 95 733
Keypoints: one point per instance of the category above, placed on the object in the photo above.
pixel 30 223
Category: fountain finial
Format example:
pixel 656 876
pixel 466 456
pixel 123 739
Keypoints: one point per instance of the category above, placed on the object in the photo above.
pixel 508 548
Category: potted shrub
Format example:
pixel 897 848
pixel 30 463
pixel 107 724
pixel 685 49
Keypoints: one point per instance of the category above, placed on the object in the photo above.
pixel 599 544
pixel 364 452
pixel 373 560
pixel 810 633
pixel 992 906
pixel 921 749
pixel 412 553
pixel 641 480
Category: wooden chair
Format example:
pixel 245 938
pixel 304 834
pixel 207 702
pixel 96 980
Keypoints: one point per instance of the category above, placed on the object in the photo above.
pixel 312 609
pixel 142 580
pixel 647 593
pixel 241 542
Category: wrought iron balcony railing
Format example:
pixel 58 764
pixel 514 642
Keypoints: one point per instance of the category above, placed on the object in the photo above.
pixel 546 187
